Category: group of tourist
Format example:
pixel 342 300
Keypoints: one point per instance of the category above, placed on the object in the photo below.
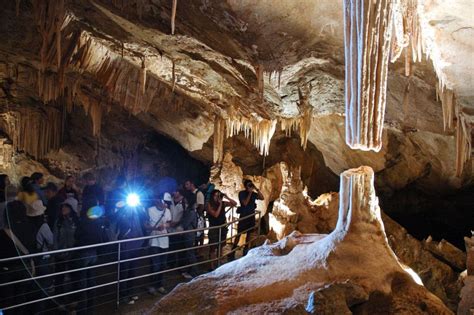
pixel 41 217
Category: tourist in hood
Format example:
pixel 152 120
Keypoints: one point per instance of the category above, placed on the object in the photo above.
pixel 64 238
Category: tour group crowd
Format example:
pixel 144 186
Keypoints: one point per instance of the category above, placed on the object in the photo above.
pixel 39 217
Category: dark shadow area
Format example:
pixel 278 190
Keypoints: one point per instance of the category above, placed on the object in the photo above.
pixel 449 217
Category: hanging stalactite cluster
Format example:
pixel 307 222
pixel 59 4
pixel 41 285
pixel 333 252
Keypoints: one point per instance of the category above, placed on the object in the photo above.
pixel 258 129
pixel 406 33
pixel 51 19
pixel 302 123
pixel 375 30
pixel 35 132
pixel 407 36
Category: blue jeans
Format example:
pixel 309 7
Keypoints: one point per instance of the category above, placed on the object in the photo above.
pixel 158 264
pixel 129 269
pixel 189 240
pixel 85 279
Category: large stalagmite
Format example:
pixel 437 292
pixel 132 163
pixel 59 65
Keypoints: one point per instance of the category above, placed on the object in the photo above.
pixel 367 48
pixel 280 277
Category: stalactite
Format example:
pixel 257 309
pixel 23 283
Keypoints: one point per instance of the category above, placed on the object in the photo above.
pixel 406 101
pixel 48 89
pixel 448 104
pixel 407 36
pixel 125 83
pixel 173 15
pixel 143 77
pixel 219 134
pixel 406 31
pixel 259 72
pixel 301 123
pixel 49 18
pixel 17 7
pixel 367 38
pixel 279 78
pixel 35 132
pixel 96 115
pixel 463 141
pixel 259 130
pixel 407 62
pixel 93 108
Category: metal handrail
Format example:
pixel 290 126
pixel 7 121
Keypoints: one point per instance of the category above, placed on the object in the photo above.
pixel 58 251
pixel 110 283
pixel 118 262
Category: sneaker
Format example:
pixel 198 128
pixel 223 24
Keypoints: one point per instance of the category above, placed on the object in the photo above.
pixel 152 290
pixel 162 290
pixel 128 301
pixel 186 275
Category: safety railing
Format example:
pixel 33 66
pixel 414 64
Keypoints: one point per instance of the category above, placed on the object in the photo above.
pixel 87 259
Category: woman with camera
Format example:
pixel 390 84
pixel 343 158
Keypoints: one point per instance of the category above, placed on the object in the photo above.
pixel 216 215
pixel 248 205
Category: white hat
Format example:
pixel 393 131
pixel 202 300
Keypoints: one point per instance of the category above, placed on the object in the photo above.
pixel 72 202
pixel 167 197
pixel 36 208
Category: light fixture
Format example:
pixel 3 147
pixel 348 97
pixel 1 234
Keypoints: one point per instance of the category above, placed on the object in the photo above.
pixel 133 200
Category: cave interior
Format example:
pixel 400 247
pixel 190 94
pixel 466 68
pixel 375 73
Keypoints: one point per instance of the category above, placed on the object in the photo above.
pixel 339 111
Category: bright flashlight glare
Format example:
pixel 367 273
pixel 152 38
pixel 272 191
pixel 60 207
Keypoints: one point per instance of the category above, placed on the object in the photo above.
pixel 133 200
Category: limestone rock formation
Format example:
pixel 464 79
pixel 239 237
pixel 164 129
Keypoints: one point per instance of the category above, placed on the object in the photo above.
pixel 280 277
pixel 437 263
pixel 466 305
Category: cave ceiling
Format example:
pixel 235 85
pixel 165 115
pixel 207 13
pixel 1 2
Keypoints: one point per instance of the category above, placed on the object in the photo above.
pixel 259 65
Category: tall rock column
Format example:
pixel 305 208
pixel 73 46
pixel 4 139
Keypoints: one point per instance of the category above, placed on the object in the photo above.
pixel 367 40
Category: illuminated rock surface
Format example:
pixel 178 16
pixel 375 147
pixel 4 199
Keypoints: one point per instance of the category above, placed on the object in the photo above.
pixel 354 261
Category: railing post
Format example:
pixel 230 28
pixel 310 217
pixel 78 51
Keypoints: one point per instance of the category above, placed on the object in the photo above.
pixel 231 225
pixel 259 223
pixel 219 248
pixel 118 277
